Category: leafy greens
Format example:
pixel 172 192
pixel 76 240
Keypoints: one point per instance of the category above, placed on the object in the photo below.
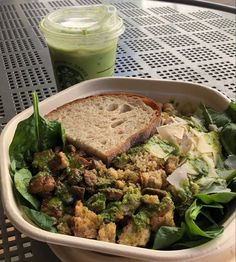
pixel 21 180
pixel 226 121
pixel 41 219
pixel 32 135
pixel 197 225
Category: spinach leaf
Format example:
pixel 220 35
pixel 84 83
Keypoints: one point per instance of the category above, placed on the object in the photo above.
pixel 41 219
pixel 49 133
pixel 212 117
pixel 24 142
pixel 221 197
pixel 193 229
pixel 206 115
pixel 166 236
pixel 231 111
pixel 21 179
pixel 206 213
pixel 226 121
pixel 34 134
pixel 228 138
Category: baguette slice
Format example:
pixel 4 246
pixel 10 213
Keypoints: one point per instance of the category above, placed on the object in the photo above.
pixel 108 124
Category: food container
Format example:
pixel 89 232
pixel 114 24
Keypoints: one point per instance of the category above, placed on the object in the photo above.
pixel 188 95
pixel 82 42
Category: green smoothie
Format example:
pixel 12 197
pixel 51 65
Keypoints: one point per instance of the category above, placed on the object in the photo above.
pixel 82 42
pixel 71 67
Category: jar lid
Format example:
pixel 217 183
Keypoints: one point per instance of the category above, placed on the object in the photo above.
pixel 88 22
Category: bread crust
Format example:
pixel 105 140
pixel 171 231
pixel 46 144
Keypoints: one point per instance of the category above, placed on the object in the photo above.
pixel 148 101
pixel 134 139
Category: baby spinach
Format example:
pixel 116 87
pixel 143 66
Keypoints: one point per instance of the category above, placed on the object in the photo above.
pixel 49 133
pixel 231 111
pixel 195 231
pixel 219 118
pixel 192 221
pixel 34 134
pixel 166 236
pixel 228 138
pixel 41 219
pixel 212 117
pixel 221 197
pixel 21 180
pixel 226 122
pixel 24 142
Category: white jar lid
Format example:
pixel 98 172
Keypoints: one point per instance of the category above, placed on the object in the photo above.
pixel 85 23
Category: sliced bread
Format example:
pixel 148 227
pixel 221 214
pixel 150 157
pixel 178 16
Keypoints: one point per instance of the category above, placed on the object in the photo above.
pixel 108 124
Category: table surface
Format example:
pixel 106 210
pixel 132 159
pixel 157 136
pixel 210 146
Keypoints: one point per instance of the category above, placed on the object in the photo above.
pixel 162 40
pixel 224 2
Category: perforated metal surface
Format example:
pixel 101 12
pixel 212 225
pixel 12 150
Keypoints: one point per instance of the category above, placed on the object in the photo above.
pixel 161 40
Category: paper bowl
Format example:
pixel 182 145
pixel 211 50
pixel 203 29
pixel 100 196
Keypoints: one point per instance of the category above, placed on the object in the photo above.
pixel 187 94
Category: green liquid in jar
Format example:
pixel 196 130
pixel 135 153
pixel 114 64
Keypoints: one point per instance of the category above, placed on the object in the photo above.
pixel 73 66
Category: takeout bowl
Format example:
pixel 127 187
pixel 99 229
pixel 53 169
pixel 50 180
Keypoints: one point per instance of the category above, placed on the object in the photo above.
pixel 188 95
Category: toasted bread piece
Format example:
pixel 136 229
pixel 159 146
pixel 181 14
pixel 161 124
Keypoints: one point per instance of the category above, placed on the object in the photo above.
pixel 108 124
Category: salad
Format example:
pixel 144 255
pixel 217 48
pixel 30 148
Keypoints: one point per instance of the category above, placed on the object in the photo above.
pixel 171 192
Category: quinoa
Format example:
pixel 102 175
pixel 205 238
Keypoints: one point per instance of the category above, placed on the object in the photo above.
pixel 144 162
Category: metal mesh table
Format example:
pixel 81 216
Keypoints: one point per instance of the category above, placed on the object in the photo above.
pixel 162 40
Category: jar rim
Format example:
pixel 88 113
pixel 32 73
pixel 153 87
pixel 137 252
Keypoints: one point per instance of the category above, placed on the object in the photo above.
pixel 87 22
